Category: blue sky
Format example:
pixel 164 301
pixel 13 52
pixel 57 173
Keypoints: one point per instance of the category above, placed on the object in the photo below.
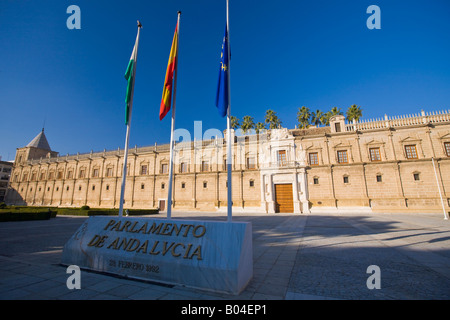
pixel 285 54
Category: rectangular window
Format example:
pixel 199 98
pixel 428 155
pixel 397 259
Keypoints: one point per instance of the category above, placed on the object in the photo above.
pixel 69 174
pixel 109 172
pixel 144 169
pixel 337 127
pixel 447 148
pixel 33 176
pixel 60 174
pixel 411 151
pixel 313 159
pixel 379 178
pixel 316 180
pixel 82 173
pixel 205 166
pixel 95 173
pixel 251 163
pixel 142 186
pixel 416 177
pixel 374 154
pixel 164 168
pixel 183 167
pixel 42 176
pixel 281 158
pixel 50 175
pixel 345 179
pixel 342 156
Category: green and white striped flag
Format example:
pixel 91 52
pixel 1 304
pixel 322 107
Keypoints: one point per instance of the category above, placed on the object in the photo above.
pixel 129 76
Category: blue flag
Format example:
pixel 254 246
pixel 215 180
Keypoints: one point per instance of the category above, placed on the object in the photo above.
pixel 222 86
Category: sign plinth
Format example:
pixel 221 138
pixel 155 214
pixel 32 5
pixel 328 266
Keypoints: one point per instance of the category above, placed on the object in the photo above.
pixel 212 255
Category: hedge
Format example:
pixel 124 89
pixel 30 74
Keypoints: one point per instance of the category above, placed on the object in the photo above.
pixel 115 212
pixel 104 212
pixel 19 210
pixel 26 215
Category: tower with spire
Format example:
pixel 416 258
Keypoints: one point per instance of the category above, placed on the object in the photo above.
pixel 36 149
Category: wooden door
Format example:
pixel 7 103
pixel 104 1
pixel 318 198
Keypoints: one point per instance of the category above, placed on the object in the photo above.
pixel 284 201
pixel 162 205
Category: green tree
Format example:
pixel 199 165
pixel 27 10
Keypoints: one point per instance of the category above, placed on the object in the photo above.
pixel 259 127
pixel 336 111
pixel 234 122
pixel 317 117
pixel 304 117
pixel 326 118
pixel 272 119
pixel 354 113
pixel 333 112
pixel 247 124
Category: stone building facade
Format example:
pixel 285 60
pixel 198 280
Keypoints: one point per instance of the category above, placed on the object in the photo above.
pixel 5 173
pixel 392 165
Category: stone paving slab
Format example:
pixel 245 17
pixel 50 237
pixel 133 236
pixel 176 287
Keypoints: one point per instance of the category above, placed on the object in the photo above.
pixel 296 257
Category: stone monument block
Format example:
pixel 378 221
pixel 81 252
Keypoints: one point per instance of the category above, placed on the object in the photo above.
pixel 212 255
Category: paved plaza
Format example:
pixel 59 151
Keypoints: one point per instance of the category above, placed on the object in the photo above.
pixel 295 257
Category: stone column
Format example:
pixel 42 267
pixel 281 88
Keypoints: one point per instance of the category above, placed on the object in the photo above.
pixel 263 193
pixel 295 192
pixel 271 199
pixel 304 196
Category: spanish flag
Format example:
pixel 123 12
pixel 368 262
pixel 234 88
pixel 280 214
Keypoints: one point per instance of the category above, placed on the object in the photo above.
pixel 168 83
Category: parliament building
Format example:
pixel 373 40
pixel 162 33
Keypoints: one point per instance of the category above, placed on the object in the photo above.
pixel 393 164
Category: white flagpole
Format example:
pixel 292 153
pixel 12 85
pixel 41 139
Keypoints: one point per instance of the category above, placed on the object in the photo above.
pixel 229 142
pixel 169 196
pixel 124 170
pixel 439 188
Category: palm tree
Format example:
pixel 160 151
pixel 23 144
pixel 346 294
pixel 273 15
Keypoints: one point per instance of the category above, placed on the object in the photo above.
pixel 259 127
pixel 272 119
pixel 303 117
pixel 234 122
pixel 326 118
pixel 247 124
pixel 333 112
pixel 336 111
pixel 317 117
pixel 354 113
